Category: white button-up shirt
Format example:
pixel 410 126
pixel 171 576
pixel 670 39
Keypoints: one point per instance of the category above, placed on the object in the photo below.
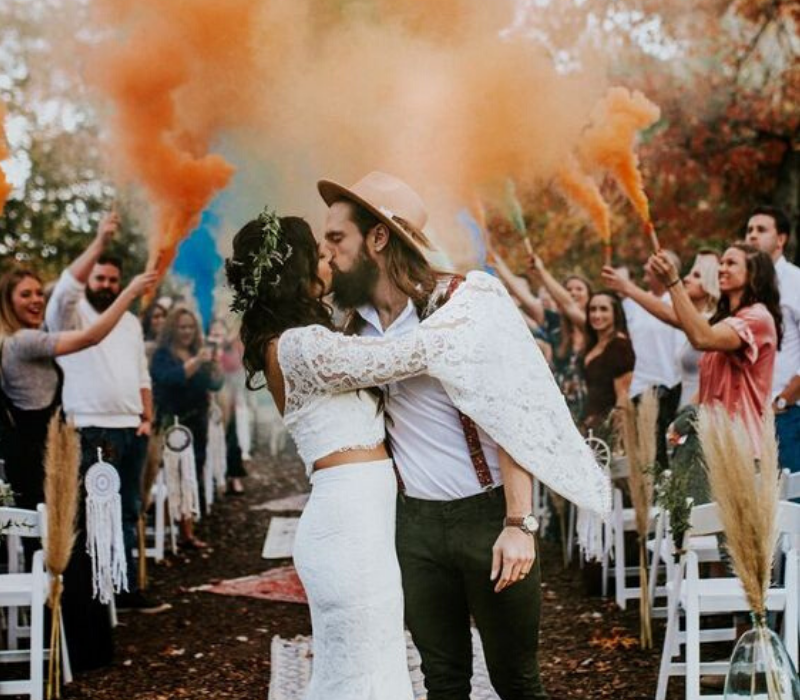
pixel 427 438
pixel 656 345
pixel 787 363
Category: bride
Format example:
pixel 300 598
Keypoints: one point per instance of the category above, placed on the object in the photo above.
pixel 476 345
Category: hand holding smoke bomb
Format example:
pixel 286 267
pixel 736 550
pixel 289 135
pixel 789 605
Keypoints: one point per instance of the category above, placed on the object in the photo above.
pixel 650 230
pixel 663 268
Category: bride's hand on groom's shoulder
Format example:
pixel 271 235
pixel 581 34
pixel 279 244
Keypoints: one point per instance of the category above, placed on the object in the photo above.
pixel 513 556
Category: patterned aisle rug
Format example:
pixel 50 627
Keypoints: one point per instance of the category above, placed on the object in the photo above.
pixel 279 542
pixel 281 585
pixel 291 669
pixel 290 504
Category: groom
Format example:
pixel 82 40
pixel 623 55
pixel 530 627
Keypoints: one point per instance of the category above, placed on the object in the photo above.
pixel 465 532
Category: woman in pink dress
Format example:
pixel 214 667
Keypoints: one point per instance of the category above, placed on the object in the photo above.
pixel 740 340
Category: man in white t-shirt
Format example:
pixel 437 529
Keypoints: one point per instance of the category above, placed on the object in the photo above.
pixel 768 229
pixel 656 345
pixel 107 389
pixel 465 531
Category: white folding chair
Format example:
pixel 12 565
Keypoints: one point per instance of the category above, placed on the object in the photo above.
pixel 540 506
pixel 622 520
pixel 157 532
pixel 29 589
pixel 15 629
pixel 695 596
pixel 790 485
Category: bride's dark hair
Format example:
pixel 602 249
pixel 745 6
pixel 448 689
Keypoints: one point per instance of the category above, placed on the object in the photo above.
pixel 276 298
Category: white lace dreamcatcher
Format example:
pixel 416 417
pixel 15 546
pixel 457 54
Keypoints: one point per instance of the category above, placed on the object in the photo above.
pixel 104 540
pixel 590 525
pixel 179 466
pixel 216 466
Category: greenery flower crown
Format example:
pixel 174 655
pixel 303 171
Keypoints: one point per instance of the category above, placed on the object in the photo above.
pixel 264 264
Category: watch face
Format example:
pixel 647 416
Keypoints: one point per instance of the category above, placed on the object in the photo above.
pixel 530 523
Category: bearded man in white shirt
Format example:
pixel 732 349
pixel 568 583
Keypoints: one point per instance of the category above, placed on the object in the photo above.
pixel 465 531
pixel 107 388
pixel 768 229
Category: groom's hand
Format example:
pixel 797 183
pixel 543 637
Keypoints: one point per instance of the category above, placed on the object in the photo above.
pixel 513 555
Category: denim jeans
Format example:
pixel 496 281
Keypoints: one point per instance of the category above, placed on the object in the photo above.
pixel 787 425
pixel 445 553
pixel 127 452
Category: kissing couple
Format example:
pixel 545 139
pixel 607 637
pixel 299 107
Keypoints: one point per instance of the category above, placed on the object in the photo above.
pixel 422 421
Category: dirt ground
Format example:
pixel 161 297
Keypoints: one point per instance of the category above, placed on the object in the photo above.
pixel 211 646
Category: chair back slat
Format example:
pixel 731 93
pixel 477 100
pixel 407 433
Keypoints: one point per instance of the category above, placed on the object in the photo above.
pixel 20 522
pixel 704 520
pixel 790 485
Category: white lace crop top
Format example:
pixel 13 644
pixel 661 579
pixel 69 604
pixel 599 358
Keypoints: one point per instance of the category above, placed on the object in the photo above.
pixel 334 423
pixel 478 346
pixel 326 375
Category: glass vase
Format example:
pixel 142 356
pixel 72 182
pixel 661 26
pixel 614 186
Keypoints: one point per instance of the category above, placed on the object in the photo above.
pixel 761 667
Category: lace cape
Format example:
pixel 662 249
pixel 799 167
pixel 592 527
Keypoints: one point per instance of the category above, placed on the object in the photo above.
pixel 478 346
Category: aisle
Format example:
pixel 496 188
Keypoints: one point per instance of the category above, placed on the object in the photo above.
pixel 212 646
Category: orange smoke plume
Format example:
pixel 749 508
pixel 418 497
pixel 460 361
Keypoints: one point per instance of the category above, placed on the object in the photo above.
pixel 580 188
pixel 5 185
pixel 165 81
pixel 302 89
pixel 609 142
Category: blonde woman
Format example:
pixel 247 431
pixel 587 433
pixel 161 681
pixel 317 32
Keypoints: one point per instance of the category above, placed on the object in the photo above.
pixel 702 286
pixel 30 381
pixel 184 371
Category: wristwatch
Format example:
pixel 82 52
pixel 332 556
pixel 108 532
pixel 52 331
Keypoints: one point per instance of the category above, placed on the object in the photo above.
pixel 781 403
pixel 527 523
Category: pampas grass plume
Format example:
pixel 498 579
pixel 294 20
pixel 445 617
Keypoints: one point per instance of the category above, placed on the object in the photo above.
pixel 61 485
pixel 747 495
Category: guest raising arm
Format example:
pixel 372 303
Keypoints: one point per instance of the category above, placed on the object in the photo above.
pixel 29 379
pixel 741 339
pixel 570 298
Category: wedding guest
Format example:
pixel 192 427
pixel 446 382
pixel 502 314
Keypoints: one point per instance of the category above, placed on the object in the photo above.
pixel 702 286
pixel 107 390
pixel 30 379
pixel 567 331
pixel 609 360
pixel 235 401
pixel 152 322
pixel 656 345
pixel 184 372
pixel 769 230
pixel 740 340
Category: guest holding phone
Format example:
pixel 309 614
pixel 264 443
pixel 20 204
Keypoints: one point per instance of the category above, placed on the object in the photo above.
pixel 184 371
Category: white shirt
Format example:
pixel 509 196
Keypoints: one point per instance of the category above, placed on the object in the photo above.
pixel 657 346
pixel 102 384
pixel 427 439
pixel 787 363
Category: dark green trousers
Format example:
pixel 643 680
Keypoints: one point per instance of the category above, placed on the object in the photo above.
pixel 445 552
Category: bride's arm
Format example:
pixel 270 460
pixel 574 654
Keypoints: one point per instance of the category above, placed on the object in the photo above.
pixel 335 363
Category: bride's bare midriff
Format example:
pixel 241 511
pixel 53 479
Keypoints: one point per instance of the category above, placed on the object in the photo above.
pixel 338 459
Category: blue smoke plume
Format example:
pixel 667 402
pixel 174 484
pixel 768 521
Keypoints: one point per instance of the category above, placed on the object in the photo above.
pixel 468 222
pixel 199 262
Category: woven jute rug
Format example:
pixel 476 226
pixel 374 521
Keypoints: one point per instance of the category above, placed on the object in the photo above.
pixel 291 661
pixel 281 584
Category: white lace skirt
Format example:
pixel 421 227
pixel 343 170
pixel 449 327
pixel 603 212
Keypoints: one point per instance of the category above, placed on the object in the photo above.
pixel 345 555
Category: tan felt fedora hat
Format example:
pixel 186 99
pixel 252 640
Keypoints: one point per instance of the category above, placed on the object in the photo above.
pixel 391 200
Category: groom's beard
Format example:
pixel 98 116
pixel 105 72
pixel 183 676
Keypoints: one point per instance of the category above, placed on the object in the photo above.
pixel 354 288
